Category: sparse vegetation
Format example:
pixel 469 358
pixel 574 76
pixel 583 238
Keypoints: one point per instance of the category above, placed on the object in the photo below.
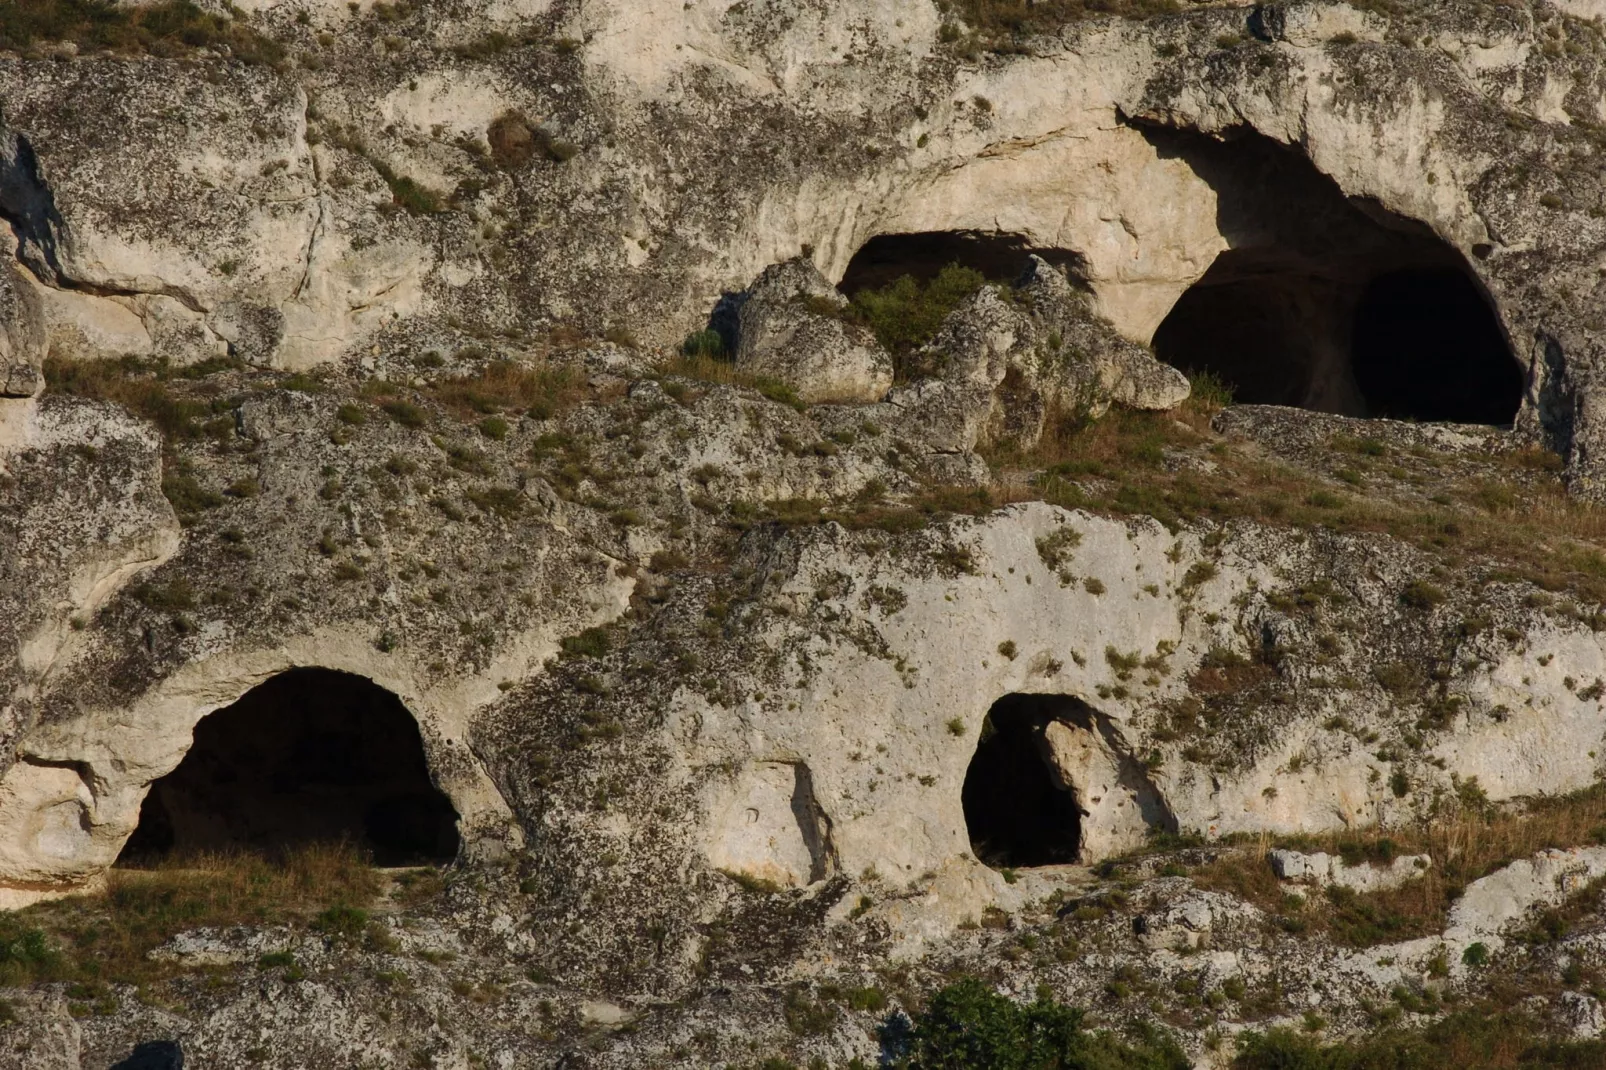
pixel 1116 465
pixel 906 314
pixel 105 937
pixel 1466 840
pixel 968 1026
pixel 1474 1038
pixel 169 28
pixel 143 388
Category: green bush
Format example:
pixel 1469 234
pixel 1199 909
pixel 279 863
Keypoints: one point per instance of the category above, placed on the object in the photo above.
pixel 25 952
pixel 968 1026
pixel 906 314
pixel 703 344
pixel 1209 389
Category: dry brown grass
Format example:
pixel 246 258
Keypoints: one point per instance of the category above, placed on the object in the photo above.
pixel 145 388
pixel 106 937
pixel 723 373
pixel 541 390
pixel 1511 514
pixel 1470 842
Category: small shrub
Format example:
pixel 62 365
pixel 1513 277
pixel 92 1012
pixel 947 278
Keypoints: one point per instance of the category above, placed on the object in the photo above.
pixel 1420 594
pixel 956 726
pixel 503 501
pixel 706 343
pixel 405 413
pixel 1057 550
pixel 907 313
pixel 173 597
pixel 1208 390
pixel 968 1026
pixel 342 923
pixel 591 643
pixel 1008 649
pixel 352 414
pixel 512 140
pixel 187 496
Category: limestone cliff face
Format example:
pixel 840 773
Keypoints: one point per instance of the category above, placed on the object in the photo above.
pixel 667 154
pixel 703 655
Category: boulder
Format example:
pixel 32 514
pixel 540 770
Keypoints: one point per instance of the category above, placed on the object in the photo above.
pixel 1581 1014
pixel 793 327
pixel 1321 868
pixel 1081 360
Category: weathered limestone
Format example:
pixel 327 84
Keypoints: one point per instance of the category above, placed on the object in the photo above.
pixel 792 327
pixel 22 336
pixel 1324 870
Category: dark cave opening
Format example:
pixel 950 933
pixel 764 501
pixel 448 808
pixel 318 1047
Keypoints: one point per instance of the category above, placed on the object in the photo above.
pixel 1427 346
pixel 1017 812
pixel 1331 303
pixel 886 258
pixel 309 756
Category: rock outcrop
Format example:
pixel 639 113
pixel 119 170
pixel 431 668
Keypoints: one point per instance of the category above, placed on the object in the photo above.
pixel 368 360
pixel 793 326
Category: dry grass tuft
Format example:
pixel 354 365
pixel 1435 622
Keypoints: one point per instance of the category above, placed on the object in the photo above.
pixel 106 937
pixel 541 390
pixel 1471 842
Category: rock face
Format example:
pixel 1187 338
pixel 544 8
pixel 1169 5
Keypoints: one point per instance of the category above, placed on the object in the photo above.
pixel 301 222
pixel 792 327
pixel 366 361
pixel 22 337
pixel 1322 869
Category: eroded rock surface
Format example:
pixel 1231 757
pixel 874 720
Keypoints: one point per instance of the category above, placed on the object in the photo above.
pixel 760 686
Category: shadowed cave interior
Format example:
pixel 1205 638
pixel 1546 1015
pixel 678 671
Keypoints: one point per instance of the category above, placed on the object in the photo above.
pixel 1321 301
pixel 1331 303
pixel 1001 257
pixel 309 756
pixel 1016 809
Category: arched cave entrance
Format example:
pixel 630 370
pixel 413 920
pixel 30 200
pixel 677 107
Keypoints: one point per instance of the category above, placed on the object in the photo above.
pixel 1019 810
pixel 1331 303
pixel 1000 257
pixel 309 756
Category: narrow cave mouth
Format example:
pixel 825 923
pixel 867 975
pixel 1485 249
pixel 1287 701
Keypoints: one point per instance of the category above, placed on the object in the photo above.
pixel 309 756
pixel 1017 811
pixel 1000 257
pixel 1331 303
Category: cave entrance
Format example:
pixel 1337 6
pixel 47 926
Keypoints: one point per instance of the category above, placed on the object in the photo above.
pixel 1000 257
pixel 1019 810
pixel 1331 303
pixel 309 756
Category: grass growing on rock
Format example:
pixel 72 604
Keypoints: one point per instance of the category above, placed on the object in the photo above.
pixel 1507 517
pixel 1471 841
pixel 106 937
pixel 145 388
pixel 162 29
pixel 540 390
pixel 1475 1038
